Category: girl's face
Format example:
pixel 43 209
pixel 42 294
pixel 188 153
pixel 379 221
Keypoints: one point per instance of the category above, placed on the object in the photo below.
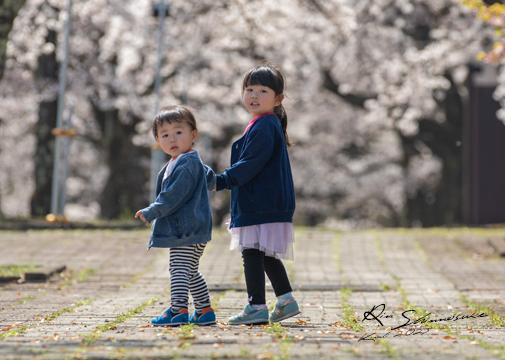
pixel 259 99
pixel 176 138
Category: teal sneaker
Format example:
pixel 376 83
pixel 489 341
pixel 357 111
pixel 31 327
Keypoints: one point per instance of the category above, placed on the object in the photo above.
pixel 207 317
pixel 171 319
pixel 282 312
pixel 250 316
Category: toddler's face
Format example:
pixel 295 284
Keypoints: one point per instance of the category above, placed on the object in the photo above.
pixel 176 138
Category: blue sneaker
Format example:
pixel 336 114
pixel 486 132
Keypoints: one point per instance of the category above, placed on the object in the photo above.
pixel 170 319
pixel 207 317
pixel 250 316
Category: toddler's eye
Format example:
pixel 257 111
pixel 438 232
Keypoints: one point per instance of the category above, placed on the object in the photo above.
pixel 179 132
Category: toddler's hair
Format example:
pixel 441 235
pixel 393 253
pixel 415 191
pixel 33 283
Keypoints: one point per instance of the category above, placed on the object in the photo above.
pixel 174 113
pixel 270 75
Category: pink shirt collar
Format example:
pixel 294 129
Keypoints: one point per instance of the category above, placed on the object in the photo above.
pixel 253 120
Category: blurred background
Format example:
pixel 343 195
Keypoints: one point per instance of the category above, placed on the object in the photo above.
pixel 395 121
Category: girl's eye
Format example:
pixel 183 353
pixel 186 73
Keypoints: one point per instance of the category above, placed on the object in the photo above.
pixel 179 132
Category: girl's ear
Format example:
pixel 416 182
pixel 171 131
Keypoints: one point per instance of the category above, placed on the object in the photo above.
pixel 194 135
pixel 278 99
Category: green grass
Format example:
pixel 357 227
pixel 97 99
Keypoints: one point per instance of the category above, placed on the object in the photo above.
pixel 348 315
pixel 336 256
pixel 74 276
pixel 494 318
pixel 275 328
pixel 278 334
pixel 215 300
pixel 15 270
pixel 498 350
pixel 122 317
pixel 48 318
pixel 186 332
pixel 15 332
pixel 388 349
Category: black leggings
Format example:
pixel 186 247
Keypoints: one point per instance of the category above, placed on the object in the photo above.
pixel 256 264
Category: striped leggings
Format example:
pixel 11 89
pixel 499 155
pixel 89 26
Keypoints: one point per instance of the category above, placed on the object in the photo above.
pixel 185 278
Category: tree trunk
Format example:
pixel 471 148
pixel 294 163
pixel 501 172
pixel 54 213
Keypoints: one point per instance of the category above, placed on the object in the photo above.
pixel 127 188
pixel 47 73
pixel 444 140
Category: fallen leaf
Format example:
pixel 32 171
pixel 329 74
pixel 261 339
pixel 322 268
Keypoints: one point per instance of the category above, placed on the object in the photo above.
pixel 264 356
pixel 218 345
pixel 449 337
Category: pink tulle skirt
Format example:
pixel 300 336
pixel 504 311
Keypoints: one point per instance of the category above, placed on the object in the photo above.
pixel 275 239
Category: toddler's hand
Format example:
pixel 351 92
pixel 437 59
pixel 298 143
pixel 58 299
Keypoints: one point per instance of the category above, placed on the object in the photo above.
pixel 139 215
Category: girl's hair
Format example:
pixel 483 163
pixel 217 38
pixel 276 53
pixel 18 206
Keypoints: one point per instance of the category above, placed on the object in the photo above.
pixel 270 75
pixel 174 113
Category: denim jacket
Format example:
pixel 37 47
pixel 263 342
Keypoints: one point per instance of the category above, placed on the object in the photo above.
pixel 181 212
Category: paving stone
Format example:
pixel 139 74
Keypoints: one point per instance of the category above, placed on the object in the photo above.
pixel 127 285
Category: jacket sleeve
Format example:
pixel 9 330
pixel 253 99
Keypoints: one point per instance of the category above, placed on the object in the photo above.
pixel 175 192
pixel 210 176
pixel 257 151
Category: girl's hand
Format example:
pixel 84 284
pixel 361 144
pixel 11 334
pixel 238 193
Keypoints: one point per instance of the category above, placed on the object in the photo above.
pixel 139 215
pixel 214 188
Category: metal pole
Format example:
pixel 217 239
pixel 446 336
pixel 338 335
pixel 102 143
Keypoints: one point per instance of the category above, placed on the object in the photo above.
pixel 63 185
pixel 61 95
pixel 157 155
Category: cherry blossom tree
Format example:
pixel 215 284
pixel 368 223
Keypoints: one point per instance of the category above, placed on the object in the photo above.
pixel 373 99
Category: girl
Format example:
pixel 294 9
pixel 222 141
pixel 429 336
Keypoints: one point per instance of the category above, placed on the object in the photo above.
pixel 262 197
pixel 182 216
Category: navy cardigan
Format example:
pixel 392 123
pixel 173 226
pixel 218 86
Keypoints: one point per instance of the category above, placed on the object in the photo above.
pixel 260 177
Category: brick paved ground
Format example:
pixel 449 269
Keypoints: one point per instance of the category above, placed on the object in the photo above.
pixel 101 306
